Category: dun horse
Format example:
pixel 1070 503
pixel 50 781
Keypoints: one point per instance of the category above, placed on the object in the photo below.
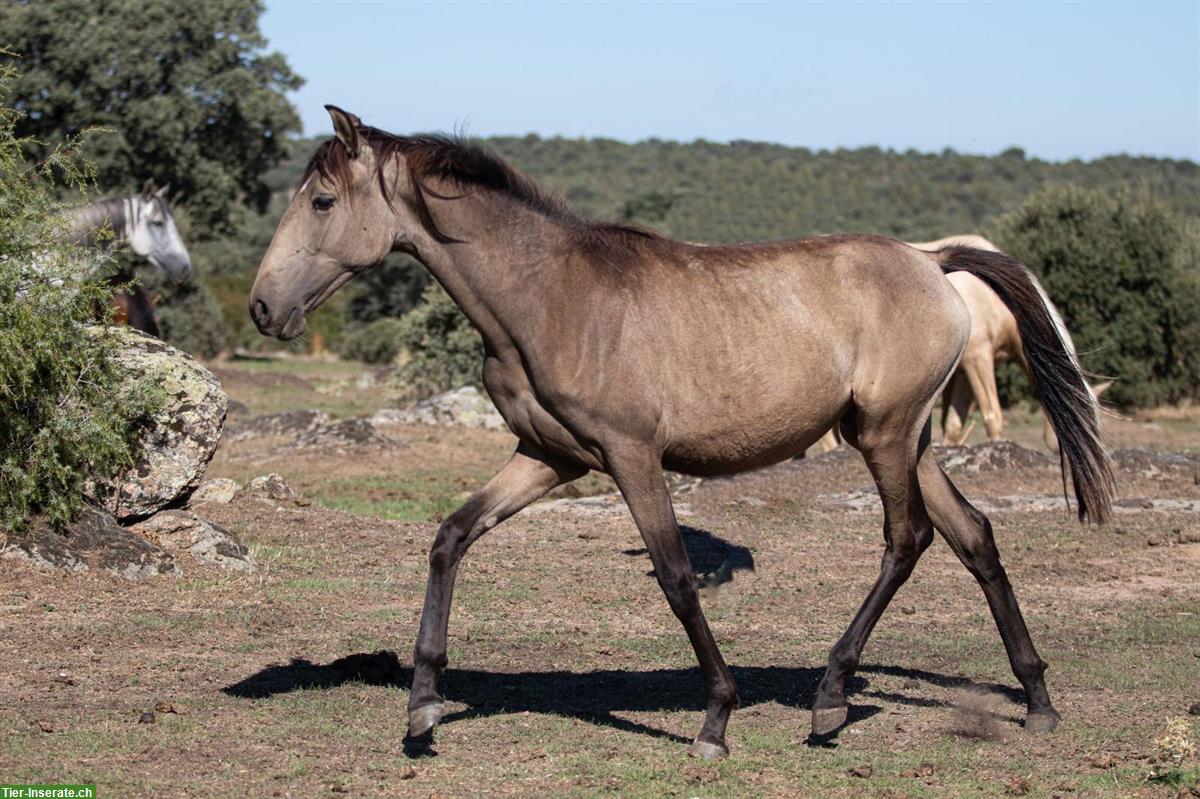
pixel 608 347
pixel 146 224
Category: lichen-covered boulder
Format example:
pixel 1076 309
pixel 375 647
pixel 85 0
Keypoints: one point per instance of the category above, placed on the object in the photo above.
pixel 177 446
pixel 462 407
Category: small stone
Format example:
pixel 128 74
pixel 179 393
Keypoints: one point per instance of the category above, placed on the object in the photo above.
pixel 271 486
pixel 1194 710
pixel 220 490
pixel 45 726
pixel 908 610
pixel 338 788
pixel 169 707
pixel 862 772
pixel 923 770
pixel 147 718
pixel 1105 761
pixel 408 773
pixel 1156 540
pixel 180 531
pixel 1189 536
pixel 910 685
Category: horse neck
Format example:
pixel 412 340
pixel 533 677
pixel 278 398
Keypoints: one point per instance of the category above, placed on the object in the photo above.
pixel 507 253
pixel 116 213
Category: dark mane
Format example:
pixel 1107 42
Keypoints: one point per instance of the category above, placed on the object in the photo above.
pixel 469 164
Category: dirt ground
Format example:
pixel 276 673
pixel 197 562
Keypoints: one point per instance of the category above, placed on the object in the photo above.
pixel 568 674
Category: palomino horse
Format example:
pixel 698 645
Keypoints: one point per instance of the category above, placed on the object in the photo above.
pixel 144 222
pixel 609 347
pixel 995 336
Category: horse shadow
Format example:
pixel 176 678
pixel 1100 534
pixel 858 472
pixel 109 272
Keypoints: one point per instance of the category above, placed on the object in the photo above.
pixel 593 696
pixel 713 558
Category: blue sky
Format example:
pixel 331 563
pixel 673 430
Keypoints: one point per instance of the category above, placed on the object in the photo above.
pixel 1061 80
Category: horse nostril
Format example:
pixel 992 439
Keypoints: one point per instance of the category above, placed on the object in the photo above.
pixel 262 316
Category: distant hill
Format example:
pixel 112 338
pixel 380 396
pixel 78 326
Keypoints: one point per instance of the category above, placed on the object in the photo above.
pixel 746 191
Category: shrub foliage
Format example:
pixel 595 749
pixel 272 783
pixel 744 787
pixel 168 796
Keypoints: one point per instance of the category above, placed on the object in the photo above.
pixel 65 413
pixel 444 350
pixel 1122 272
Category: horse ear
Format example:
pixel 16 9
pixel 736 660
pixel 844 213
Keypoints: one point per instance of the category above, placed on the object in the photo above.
pixel 1100 388
pixel 162 192
pixel 148 189
pixel 345 125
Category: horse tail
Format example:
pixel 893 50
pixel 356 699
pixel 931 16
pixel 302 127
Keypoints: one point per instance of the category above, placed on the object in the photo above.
pixel 1054 369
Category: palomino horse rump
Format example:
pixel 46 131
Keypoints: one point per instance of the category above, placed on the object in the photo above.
pixel 609 347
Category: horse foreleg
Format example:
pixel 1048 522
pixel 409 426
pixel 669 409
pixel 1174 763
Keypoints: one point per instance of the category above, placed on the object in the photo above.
pixel 528 475
pixel 639 476
pixel 969 534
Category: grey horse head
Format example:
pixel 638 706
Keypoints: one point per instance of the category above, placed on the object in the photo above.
pixel 152 234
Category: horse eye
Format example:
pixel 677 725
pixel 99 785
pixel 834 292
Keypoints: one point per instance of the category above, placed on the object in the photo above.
pixel 157 222
pixel 323 202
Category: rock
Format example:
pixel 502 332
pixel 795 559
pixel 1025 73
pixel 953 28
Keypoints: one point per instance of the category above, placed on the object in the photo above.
pixel 1150 463
pixel 341 433
pixel 93 541
pixel 146 718
pixel 289 424
pixel 462 407
pixel 1194 710
pixel 1189 536
pixel 862 772
pixel 221 490
pixel 311 428
pixel 183 531
pixel 177 446
pixel 271 486
pixel 990 457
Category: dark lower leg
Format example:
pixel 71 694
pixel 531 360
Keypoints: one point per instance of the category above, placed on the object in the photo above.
pixel 646 494
pixel 969 534
pixel 1028 667
pixel 523 479
pixel 908 532
pixel 829 705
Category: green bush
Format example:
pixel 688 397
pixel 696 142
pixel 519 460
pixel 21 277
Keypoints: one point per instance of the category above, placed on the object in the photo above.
pixel 1123 273
pixel 444 351
pixel 65 413
pixel 375 342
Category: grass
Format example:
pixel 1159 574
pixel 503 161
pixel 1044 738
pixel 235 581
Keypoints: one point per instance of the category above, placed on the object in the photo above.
pixel 419 496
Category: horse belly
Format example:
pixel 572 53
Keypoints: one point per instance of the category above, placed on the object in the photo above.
pixel 751 426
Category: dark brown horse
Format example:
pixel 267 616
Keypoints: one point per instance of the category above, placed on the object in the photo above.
pixel 609 347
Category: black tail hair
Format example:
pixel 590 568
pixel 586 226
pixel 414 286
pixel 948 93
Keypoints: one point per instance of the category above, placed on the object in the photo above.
pixel 1056 375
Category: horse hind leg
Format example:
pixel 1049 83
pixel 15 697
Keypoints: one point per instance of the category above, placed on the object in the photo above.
pixel 892 450
pixel 969 534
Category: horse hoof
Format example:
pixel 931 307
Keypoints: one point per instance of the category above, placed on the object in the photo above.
pixel 707 750
pixel 1042 720
pixel 421 720
pixel 826 720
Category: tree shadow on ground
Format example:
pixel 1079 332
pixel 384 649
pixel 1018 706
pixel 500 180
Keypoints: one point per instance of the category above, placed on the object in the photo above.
pixel 592 696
